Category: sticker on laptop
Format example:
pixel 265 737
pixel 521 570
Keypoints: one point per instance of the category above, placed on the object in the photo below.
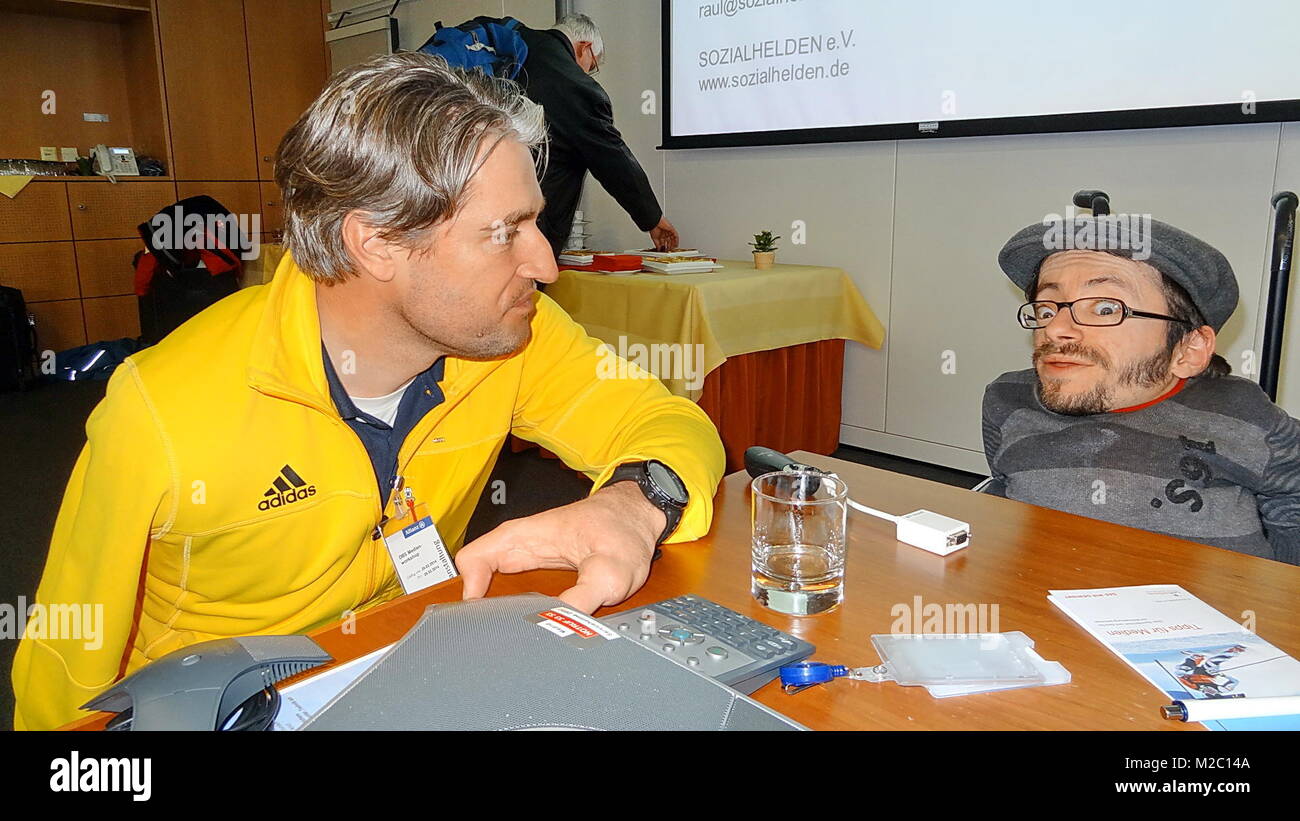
pixel 565 621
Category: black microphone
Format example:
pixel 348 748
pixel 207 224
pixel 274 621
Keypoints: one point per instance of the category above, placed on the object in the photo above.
pixel 765 460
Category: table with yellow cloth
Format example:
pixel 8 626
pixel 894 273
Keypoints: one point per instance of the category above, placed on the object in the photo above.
pixel 261 269
pixel 765 349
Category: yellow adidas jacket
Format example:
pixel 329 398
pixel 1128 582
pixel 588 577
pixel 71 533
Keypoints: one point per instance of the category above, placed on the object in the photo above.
pixel 163 521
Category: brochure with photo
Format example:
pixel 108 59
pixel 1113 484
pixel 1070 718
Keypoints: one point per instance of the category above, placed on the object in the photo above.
pixel 1186 648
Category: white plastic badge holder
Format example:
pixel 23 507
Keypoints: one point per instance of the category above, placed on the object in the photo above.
pixel 952 665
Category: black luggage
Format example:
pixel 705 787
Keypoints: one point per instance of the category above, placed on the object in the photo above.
pixel 17 341
pixel 176 296
pixel 171 284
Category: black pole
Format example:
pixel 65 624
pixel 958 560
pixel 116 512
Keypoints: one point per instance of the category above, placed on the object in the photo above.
pixel 1098 201
pixel 1279 286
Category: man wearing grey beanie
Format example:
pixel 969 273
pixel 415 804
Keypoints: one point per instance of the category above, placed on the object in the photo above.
pixel 1128 414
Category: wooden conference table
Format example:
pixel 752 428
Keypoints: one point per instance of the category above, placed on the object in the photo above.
pixel 1018 552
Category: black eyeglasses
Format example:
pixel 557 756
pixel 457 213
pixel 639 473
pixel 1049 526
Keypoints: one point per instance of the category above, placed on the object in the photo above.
pixel 595 61
pixel 1097 311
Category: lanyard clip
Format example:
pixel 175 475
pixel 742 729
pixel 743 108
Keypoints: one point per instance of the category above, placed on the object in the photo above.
pixel 795 678
pixel 395 496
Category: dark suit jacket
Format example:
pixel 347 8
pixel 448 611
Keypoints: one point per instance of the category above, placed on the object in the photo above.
pixel 580 119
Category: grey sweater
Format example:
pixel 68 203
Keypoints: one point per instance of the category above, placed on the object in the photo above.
pixel 1216 463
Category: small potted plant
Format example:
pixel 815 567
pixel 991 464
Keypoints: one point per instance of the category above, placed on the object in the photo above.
pixel 764 249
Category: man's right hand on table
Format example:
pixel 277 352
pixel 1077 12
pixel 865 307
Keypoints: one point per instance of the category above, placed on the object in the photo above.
pixel 664 235
pixel 608 537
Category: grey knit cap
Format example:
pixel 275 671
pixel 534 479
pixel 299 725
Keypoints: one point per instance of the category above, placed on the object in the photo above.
pixel 1194 264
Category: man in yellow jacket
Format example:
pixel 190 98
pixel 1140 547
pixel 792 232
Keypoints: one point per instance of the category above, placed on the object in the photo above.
pixel 243 476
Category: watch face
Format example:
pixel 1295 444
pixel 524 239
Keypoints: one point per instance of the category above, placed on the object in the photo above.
pixel 667 481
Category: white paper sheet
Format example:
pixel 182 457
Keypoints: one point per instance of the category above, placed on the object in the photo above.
pixel 300 701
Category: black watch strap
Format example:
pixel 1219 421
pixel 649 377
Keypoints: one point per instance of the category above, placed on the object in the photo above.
pixel 660 497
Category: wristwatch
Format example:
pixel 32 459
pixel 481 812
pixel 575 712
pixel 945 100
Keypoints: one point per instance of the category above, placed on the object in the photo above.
pixel 662 488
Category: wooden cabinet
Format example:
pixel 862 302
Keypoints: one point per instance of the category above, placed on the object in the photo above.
pixel 103 210
pixel 207 86
pixel 205 74
pixel 238 197
pixel 61 60
pixel 41 270
pixel 104 267
pixel 111 317
pixel 238 73
pixel 75 272
pixel 272 209
pixel 59 325
pixel 38 214
pixel 287 62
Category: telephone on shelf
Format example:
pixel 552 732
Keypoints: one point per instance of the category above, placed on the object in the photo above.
pixel 114 162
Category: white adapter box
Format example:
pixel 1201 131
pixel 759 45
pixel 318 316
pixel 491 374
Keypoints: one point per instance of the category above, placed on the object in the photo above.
pixel 931 531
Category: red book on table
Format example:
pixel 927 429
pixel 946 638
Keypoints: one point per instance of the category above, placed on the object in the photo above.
pixel 601 263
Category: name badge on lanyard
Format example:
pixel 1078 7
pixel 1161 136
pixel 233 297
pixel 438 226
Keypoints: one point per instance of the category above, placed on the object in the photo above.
pixel 419 555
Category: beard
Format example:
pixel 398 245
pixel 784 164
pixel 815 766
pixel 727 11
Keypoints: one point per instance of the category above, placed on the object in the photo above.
pixel 446 329
pixel 1143 373
pixel 495 343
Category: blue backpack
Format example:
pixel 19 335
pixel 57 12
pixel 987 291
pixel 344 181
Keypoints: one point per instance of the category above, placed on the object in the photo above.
pixel 490 44
pixel 93 362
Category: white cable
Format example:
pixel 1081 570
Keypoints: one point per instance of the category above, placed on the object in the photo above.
pixel 924 529
pixel 871 511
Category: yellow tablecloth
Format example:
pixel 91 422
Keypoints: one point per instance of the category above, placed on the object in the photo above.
pixel 733 311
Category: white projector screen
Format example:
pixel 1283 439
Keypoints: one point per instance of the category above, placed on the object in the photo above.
pixel 758 72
